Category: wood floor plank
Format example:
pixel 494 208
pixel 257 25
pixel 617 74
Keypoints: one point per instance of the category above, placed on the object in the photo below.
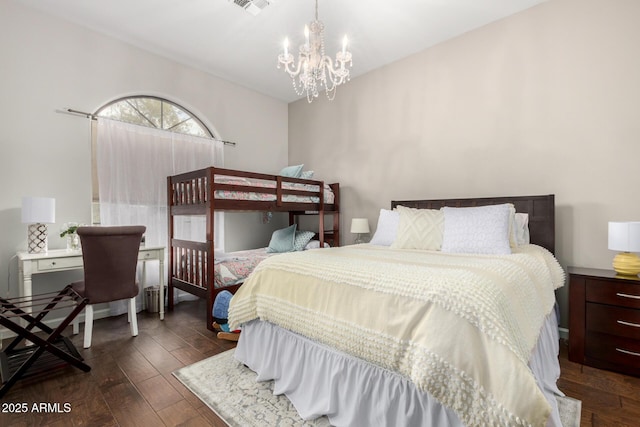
pixel 158 392
pixel 107 372
pixel 167 338
pixel 92 411
pixel 178 413
pixel 161 359
pixel 188 355
pixel 135 366
pixel 135 416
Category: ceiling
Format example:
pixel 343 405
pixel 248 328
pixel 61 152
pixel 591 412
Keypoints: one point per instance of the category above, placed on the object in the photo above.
pixel 222 38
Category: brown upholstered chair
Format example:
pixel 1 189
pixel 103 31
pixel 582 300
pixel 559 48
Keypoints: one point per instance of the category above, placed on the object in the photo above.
pixel 110 257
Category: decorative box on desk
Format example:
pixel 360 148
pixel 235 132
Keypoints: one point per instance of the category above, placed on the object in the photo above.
pixel 604 319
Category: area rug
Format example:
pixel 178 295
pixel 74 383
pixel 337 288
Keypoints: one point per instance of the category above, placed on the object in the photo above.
pixel 230 389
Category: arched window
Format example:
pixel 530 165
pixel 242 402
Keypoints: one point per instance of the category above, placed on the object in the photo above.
pixel 152 111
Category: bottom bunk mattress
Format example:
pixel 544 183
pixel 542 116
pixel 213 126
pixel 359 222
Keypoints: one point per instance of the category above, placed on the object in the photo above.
pixel 233 267
pixel 460 328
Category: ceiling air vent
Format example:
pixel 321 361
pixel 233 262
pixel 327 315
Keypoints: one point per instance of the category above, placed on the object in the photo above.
pixel 253 6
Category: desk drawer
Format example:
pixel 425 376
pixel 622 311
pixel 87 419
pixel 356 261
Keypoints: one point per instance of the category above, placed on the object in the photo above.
pixel 59 263
pixel 150 254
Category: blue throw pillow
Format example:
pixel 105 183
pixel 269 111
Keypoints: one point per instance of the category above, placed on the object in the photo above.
pixel 292 171
pixel 282 240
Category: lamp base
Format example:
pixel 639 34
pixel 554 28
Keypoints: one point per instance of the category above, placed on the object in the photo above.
pixel 37 238
pixel 627 264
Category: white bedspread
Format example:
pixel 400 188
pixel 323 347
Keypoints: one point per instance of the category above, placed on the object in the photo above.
pixel 408 311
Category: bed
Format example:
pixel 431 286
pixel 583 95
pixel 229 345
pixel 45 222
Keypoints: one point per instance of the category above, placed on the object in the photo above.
pixel 394 335
pixel 193 267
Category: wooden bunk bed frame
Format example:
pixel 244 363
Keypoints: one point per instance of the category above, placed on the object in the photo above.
pixel 191 263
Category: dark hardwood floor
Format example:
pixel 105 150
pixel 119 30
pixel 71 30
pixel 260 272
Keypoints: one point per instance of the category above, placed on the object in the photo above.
pixel 130 383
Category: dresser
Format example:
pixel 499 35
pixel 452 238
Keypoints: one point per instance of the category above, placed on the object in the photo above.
pixel 604 319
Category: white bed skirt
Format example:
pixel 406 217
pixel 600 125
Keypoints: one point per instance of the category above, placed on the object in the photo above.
pixel 351 392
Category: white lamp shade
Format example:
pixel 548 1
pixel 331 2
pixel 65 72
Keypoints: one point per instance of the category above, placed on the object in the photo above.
pixel 624 236
pixel 38 210
pixel 359 225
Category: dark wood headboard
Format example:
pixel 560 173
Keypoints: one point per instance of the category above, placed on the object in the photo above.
pixel 541 210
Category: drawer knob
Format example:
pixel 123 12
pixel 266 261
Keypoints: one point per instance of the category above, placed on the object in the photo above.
pixel 632 353
pixel 53 263
pixel 622 322
pixel 627 296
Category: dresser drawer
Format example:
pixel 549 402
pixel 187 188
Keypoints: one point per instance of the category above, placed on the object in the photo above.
pixel 622 322
pixel 612 349
pixel 59 263
pixel 613 293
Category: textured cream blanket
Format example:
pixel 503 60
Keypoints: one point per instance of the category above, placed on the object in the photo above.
pixel 461 327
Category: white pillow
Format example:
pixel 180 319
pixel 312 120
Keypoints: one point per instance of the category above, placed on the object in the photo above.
pixel 513 241
pixel 387 228
pixel 315 244
pixel 522 228
pixel 419 229
pixel 477 230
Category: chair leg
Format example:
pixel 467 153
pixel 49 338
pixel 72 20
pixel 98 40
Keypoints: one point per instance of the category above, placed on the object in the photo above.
pixel 88 325
pixel 76 325
pixel 133 318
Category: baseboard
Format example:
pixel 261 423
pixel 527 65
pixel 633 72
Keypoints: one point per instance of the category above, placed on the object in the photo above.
pixel 54 322
pixel 564 333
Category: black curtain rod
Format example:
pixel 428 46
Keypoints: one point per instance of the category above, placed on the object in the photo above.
pixel 94 117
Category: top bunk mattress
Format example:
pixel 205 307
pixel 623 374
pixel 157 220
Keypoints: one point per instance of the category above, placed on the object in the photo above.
pixel 329 196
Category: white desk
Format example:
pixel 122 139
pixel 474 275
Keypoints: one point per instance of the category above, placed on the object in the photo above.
pixel 62 259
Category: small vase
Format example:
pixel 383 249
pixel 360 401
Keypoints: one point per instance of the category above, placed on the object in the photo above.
pixel 73 242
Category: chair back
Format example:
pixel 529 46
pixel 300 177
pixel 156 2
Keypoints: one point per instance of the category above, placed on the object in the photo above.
pixel 110 256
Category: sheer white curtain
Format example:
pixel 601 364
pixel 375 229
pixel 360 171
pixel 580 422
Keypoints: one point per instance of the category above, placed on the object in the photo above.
pixel 133 163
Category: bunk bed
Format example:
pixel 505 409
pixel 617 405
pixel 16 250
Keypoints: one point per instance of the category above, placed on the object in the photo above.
pixel 192 267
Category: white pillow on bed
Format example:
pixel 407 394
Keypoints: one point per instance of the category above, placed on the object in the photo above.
pixel 521 226
pixel 419 229
pixel 315 244
pixel 477 230
pixel 387 228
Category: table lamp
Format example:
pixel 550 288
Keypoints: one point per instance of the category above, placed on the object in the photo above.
pixel 37 212
pixel 625 237
pixel 359 226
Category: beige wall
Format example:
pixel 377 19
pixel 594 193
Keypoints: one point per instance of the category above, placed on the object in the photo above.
pixel 48 64
pixel 546 101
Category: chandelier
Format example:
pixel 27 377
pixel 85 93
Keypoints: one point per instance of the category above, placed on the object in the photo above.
pixel 315 70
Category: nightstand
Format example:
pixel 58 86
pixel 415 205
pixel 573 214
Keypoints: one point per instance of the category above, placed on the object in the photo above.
pixel 604 320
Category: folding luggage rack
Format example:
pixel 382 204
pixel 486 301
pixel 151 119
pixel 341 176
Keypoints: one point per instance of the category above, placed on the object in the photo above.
pixel 18 361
